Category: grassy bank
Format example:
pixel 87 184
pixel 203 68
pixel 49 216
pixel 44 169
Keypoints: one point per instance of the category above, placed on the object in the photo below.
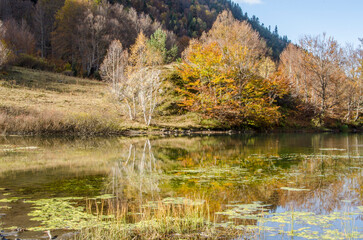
pixel 38 102
pixel 43 103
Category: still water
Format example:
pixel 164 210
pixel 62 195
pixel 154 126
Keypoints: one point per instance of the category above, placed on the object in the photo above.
pixel 310 185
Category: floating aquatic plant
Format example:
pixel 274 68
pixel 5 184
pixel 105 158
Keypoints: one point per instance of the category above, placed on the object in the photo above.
pixel 10 200
pixel 292 223
pixel 59 213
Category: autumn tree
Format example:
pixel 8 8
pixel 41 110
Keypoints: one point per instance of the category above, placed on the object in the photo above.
pixel 241 42
pixel 353 63
pixel 324 76
pixel 209 88
pixel 139 56
pixel 323 58
pixel 84 30
pixel 297 76
pixel 228 77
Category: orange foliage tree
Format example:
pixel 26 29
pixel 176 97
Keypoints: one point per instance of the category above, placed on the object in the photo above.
pixel 215 89
pixel 227 76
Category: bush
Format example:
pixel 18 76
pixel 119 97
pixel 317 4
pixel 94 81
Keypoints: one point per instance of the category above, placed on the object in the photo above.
pixel 29 61
pixel 344 128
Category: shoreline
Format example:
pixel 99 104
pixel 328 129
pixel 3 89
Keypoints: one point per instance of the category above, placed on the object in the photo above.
pixel 168 132
pixel 38 103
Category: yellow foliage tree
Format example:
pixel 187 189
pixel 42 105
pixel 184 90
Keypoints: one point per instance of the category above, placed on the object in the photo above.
pixel 138 53
pixel 216 90
pixel 228 77
pixel 242 45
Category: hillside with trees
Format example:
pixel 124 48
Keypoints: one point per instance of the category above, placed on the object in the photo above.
pixel 185 18
pixel 166 59
pixel 190 18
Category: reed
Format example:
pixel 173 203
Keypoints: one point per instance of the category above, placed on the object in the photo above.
pixel 170 218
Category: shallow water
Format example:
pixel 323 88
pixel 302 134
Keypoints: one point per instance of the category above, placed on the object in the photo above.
pixel 281 185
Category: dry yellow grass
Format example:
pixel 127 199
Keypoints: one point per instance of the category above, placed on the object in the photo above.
pixel 38 102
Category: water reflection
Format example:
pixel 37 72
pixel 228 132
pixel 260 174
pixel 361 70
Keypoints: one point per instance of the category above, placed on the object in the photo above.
pixel 319 173
pixel 138 174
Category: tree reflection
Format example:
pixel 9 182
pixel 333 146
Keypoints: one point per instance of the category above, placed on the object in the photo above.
pixel 138 175
pixel 222 170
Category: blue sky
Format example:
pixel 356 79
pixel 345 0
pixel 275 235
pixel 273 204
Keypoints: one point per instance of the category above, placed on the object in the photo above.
pixel 342 19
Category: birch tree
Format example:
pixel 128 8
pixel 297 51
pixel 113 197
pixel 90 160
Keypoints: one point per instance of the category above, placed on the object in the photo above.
pixel 134 79
pixel 114 70
pixel 149 92
pixel 143 62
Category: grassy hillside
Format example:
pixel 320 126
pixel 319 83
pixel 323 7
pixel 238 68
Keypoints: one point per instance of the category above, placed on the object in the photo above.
pixel 37 102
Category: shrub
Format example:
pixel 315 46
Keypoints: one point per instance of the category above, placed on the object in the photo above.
pixel 29 61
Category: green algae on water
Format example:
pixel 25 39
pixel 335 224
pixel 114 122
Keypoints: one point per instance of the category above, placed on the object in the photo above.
pixel 59 213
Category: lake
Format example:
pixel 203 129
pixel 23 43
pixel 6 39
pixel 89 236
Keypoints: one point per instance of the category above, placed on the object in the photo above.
pixel 269 186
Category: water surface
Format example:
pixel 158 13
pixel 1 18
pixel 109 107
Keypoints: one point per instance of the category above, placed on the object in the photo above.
pixel 305 185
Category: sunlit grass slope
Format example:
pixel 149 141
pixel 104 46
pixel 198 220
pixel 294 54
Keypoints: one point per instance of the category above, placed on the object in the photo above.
pixel 37 102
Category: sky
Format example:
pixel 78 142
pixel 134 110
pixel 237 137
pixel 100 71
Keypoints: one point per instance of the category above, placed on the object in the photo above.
pixel 341 19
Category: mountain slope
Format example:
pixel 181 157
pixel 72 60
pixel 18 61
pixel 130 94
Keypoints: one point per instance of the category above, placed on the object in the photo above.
pixel 192 17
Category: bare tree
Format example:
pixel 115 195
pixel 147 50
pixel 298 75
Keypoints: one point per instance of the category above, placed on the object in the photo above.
pixel 93 40
pixel 43 23
pixel 325 76
pixel 39 20
pixel 143 61
pixel 323 59
pixel 149 93
pixel 299 80
pixel 114 70
pixel 360 81
pixel 134 80
pixel 18 37
pixel 353 96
